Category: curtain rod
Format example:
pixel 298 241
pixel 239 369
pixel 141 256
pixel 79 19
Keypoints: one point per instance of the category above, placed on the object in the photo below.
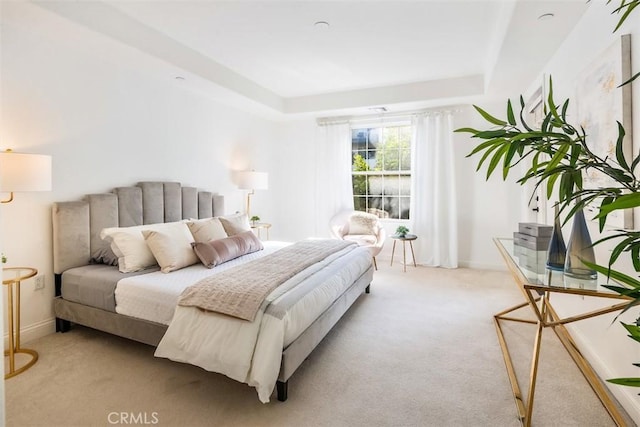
pixel 323 121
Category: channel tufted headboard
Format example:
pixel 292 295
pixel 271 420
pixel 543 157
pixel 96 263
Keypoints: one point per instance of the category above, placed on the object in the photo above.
pixel 77 225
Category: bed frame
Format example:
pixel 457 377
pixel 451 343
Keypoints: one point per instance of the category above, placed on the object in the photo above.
pixel 76 236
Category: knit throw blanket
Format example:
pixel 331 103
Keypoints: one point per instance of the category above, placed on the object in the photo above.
pixel 240 291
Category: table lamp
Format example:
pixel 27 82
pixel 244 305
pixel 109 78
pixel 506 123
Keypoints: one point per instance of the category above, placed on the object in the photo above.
pixel 252 180
pixel 24 172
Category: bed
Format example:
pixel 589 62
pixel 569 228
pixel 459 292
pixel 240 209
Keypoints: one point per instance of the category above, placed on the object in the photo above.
pixel 142 304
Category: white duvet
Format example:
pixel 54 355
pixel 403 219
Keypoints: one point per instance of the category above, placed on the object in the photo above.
pixel 249 352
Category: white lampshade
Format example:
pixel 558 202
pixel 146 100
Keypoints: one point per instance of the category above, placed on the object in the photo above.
pixel 251 180
pixel 24 172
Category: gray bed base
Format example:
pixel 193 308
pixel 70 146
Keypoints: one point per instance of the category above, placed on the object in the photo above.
pixel 151 333
pixel 76 229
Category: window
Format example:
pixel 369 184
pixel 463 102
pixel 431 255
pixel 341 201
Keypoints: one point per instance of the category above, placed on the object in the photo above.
pixel 381 170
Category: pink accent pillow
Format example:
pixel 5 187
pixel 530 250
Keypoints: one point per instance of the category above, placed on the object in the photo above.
pixel 216 252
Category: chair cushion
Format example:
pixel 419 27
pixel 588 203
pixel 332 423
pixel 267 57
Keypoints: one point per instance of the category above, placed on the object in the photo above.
pixel 363 223
pixel 361 239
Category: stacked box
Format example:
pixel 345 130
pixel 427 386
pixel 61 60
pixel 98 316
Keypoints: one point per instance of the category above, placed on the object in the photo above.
pixel 533 236
pixel 530 245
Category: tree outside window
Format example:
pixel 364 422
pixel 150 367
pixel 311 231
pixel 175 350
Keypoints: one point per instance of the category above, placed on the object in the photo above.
pixel 381 170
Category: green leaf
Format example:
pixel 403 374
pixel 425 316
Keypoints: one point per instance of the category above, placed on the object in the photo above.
pixel 630 6
pixel 468 130
pixel 510 117
pixel 615 275
pixel 626 201
pixel 488 117
pixel 635 76
pixel 631 382
pixel 496 133
pixel 619 148
pixel 486 144
pixel 496 159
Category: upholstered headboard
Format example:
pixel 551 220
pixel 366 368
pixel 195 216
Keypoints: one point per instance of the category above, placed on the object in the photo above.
pixel 77 225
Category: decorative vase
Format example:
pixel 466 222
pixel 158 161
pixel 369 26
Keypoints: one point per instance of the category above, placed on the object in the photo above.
pixel 579 249
pixel 556 254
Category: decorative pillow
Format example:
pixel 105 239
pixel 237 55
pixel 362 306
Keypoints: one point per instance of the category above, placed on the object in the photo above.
pixel 171 247
pixel 104 255
pixel 127 243
pixel 216 252
pixel 205 230
pixel 363 223
pixel 236 223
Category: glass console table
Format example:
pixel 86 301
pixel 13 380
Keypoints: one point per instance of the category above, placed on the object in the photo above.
pixel 537 284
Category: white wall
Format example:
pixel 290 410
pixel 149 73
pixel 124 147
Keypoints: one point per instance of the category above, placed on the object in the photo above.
pixel 485 209
pixel 77 96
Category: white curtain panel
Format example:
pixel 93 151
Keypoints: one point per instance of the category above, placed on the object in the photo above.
pixel 334 191
pixel 433 211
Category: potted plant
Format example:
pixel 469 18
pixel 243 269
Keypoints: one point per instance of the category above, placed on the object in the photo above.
pixel 254 219
pixel 401 231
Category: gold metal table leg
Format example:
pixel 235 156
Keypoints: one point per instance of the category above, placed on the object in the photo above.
pixel 14 334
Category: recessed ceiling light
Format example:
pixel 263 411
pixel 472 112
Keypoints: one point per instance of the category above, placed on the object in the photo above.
pixel 321 25
pixel 546 16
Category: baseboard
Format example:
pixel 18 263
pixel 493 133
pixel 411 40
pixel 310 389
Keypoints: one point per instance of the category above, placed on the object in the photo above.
pixel 32 332
pixel 626 396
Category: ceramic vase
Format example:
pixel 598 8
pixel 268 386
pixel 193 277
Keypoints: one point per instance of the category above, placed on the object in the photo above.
pixel 556 254
pixel 579 249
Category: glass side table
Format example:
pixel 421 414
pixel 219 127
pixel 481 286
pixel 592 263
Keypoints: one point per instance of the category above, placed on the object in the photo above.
pixel 538 284
pixel 12 276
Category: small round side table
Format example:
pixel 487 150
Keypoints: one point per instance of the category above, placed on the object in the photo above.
pixel 11 278
pixel 404 239
pixel 259 226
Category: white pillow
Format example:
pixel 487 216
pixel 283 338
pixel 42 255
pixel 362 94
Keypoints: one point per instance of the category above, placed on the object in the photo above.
pixel 128 244
pixel 171 247
pixel 206 230
pixel 235 224
pixel 363 223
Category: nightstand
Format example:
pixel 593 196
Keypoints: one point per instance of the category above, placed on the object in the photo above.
pixel 259 226
pixel 12 277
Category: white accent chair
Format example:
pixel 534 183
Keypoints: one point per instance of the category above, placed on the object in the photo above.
pixel 363 228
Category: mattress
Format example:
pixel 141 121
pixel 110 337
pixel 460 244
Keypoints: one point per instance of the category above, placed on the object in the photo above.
pixel 94 285
pixel 154 296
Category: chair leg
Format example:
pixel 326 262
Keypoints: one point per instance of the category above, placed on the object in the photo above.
pixel 375 264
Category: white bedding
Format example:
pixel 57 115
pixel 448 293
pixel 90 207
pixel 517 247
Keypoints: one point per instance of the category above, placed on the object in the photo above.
pixel 154 296
pixel 251 352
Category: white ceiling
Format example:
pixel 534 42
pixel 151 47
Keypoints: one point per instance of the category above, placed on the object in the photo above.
pixel 373 53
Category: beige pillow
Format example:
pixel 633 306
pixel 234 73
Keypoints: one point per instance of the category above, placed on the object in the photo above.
pixel 204 230
pixel 171 247
pixel 236 223
pixel 216 252
pixel 127 243
pixel 363 223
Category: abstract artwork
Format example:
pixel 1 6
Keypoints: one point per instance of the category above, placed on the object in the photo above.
pixel 600 104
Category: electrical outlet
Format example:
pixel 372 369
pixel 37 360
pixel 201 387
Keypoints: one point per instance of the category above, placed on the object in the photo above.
pixel 39 283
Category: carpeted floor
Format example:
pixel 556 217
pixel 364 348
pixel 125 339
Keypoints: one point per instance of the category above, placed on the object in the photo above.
pixel 420 350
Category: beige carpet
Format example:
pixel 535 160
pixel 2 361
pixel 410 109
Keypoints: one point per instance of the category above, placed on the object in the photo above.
pixel 420 350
